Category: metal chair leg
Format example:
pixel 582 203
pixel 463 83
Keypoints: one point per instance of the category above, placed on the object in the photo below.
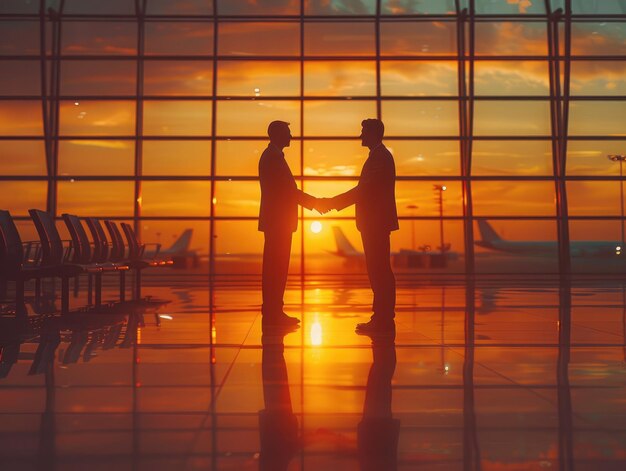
pixel 98 290
pixel 65 295
pixel 90 289
pixel 137 293
pixel 20 305
pixel 122 285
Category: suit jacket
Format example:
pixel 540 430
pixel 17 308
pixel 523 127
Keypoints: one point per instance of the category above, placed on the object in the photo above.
pixel 375 195
pixel 280 196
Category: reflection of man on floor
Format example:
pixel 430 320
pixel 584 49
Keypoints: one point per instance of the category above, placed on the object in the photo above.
pixel 376 216
pixel 378 432
pixel 278 220
pixel 278 425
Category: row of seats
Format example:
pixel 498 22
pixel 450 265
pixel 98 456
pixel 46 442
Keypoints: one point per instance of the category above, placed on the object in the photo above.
pixel 93 255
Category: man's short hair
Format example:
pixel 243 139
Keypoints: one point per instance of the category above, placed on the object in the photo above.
pixel 275 127
pixel 376 126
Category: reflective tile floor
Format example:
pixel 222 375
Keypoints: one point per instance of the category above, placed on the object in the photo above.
pixel 511 374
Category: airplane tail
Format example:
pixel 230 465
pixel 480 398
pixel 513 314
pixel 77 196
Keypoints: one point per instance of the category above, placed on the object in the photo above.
pixel 344 247
pixel 181 244
pixel 487 233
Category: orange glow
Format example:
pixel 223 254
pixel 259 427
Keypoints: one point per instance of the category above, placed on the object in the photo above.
pixel 316 227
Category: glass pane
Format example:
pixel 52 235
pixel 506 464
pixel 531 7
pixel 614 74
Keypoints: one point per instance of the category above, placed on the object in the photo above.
pixel 420 198
pixel 19 6
pixel 170 78
pixel 597 118
pixel 22 158
pixel 180 7
pixel 19 197
pixel 328 189
pixel 598 7
pixel 513 198
pixel 97 118
pixel 97 7
pixel 341 7
pixel 258 78
pixel 423 78
pixel 99 37
pixel 351 79
pixel 177 118
pixel 334 158
pixel 100 199
pixel 590 157
pixel 602 39
pixel 603 78
pixel 336 118
pixel 167 232
pixel 426 157
pixel 339 39
pixel 20 78
pixel 513 7
pixel 183 38
pixel 19 37
pixel 98 78
pixel 258 7
pixel 511 38
pixel 428 7
pixel 512 158
pixel 236 198
pixel 512 78
pixel 420 118
pixel 512 118
pixel 596 246
pixel 589 198
pixel 417 38
pixel 260 39
pixel 520 247
pixel 179 198
pixel 176 158
pixel 96 157
pixel 241 158
pixel 251 118
pixel 21 118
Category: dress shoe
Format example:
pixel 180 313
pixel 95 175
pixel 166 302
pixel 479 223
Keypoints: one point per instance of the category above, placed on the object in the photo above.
pixel 376 327
pixel 279 320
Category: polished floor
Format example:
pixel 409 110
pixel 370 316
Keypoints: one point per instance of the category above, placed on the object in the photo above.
pixel 497 374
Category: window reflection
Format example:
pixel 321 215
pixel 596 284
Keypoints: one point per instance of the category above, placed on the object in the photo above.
pixel 353 78
pixel 418 78
pixel 250 118
pixel 339 39
pixel 100 199
pixel 170 78
pixel 184 38
pixel 176 158
pixel 178 198
pixel 258 78
pixel 97 118
pixel 259 39
pixel 177 118
pixel 336 118
pixel 96 157
pixel 513 198
pixel 19 197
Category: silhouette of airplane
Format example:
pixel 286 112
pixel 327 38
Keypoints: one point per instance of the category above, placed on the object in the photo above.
pixel 180 247
pixel 490 239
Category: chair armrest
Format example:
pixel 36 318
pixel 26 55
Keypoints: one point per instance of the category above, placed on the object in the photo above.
pixel 68 250
pixel 32 253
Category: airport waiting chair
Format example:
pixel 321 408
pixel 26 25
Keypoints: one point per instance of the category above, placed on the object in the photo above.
pixel 57 257
pixel 20 261
pixel 86 255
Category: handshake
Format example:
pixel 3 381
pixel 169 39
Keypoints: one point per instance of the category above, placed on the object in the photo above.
pixel 323 205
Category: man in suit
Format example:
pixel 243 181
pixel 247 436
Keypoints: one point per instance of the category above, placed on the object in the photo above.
pixel 376 216
pixel 278 220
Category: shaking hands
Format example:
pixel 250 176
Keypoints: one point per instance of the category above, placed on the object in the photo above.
pixel 323 205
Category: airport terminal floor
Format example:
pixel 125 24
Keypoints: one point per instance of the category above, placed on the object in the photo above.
pixel 493 374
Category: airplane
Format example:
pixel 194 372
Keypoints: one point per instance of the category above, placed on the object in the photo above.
pixel 180 247
pixel 490 239
pixel 346 250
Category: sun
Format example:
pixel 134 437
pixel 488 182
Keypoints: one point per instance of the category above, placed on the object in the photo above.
pixel 316 227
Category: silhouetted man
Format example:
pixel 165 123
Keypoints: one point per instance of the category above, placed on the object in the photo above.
pixel 278 425
pixel 278 220
pixel 378 431
pixel 376 217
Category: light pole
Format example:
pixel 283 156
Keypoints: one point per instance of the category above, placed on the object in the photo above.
pixel 620 158
pixel 412 207
pixel 440 189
